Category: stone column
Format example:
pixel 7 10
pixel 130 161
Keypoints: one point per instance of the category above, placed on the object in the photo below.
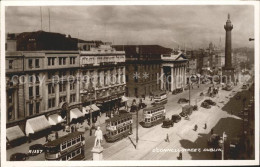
pixel 185 76
pixel 161 78
pixel 172 78
pixel 57 94
pixel 77 87
pixel 175 77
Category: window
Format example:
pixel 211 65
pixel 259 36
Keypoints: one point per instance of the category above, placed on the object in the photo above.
pixel 63 99
pixel 62 87
pixel 63 146
pixel 30 109
pixel 73 154
pixel 37 91
pixel 30 92
pixel 72 86
pixel 62 60
pixel 11 64
pixel 62 74
pixel 78 151
pixel 51 103
pixel 37 63
pixel 30 63
pixel 50 88
pixel 37 107
pixel 51 61
pixel 72 98
pixel 78 139
pixel 73 141
pixel 72 60
pixel 69 143
pixel 73 73
pixel 37 77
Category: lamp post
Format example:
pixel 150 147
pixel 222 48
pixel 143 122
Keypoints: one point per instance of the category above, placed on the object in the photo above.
pixel 223 147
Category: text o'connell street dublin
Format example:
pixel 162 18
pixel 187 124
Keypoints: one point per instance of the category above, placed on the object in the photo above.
pixel 136 82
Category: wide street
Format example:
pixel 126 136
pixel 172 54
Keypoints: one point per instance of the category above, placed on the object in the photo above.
pixel 151 143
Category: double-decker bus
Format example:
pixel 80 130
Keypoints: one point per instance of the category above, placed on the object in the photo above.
pixel 66 148
pixel 160 97
pixel 118 127
pixel 153 116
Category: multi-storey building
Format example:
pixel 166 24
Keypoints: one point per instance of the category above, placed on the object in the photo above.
pixel 38 83
pixel 174 67
pixel 47 87
pixel 103 69
pixel 143 66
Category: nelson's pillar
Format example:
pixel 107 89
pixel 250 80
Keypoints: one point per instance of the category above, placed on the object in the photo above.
pixel 228 70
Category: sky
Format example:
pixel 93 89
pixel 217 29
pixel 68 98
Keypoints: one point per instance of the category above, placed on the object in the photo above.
pixel 167 25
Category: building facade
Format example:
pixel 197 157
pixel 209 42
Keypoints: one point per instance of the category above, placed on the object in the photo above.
pixel 174 67
pixel 103 73
pixel 41 85
pixel 143 66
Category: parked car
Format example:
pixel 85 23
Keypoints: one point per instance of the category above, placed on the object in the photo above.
pixel 167 123
pixel 19 157
pixel 195 108
pixel 205 105
pixel 183 114
pixel 244 86
pixel 142 105
pixel 210 102
pixel 183 100
pixel 176 118
pixel 213 140
pixel 227 88
pixel 36 149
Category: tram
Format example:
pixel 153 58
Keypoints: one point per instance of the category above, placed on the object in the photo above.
pixel 118 127
pixel 66 148
pixel 153 116
pixel 160 97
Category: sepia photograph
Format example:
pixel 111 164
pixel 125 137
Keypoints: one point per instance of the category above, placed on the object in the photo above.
pixel 141 83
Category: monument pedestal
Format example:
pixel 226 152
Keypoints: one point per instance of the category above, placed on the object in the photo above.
pixel 228 75
pixel 97 153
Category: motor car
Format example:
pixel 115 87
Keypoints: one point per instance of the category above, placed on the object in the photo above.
pixel 205 105
pixel 183 114
pixel 213 140
pixel 244 86
pixel 176 118
pixel 195 108
pixel 36 149
pixel 183 100
pixel 19 157
pixel 142 105
pixel 167 123
pixel 210 102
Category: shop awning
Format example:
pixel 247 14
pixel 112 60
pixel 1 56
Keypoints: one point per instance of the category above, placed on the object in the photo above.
pixel 36 124
pixel 14 133
pixel 75 113
pixel 55 119
pixel 124 99
pixel 94 107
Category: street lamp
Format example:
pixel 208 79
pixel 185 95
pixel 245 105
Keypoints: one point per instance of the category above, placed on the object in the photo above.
pixel 223 147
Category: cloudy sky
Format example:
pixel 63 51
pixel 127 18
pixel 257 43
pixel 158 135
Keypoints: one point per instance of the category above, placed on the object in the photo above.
pixel 169 26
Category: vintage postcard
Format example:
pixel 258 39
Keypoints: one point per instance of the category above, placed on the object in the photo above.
pixel 129 83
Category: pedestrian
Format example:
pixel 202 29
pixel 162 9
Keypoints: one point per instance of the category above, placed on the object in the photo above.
pixel 29 138
pixel 72 129
pixel 205 127
pixel 56 135
pixel 195 127
pixel 211 131
pixel 180 156
pixel 167 138
pixel 90 131
pixel 46 137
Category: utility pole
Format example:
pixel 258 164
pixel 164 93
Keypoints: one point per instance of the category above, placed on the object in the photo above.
pixel 189 90
pixel 137 122
pixel 41 16
pixel 49 20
